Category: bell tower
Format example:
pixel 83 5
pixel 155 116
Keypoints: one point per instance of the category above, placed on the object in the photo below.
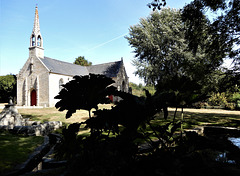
pixel 36 41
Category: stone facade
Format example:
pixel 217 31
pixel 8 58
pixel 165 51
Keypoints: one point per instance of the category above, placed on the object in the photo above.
pixel 40 79
pixel 33 77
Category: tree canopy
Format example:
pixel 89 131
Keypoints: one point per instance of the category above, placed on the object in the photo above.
pixel 82 61
pixel 157 4
pixel 224 29
pixel 162 52
pixel 7 87
pixel 163 56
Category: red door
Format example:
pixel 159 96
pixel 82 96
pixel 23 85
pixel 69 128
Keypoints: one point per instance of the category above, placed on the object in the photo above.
pixel 33 98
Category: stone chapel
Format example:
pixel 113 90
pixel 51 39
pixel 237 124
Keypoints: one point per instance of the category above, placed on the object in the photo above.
pixel 41 77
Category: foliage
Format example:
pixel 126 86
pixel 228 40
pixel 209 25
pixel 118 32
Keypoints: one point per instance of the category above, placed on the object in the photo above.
pixel 138 145
pixel 164 60
pixel 218 99
pixel 223 33
pixel 84 92
pixel 8 87
pixel 120 155
pixel 82 61
pixel 224 30
pixel 138 90
pixel 157 4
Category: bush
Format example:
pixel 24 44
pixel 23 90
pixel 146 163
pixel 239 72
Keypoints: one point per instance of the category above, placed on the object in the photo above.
pixel 218 99
pixel 230 106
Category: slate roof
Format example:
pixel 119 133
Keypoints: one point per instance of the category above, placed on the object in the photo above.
pixel 65 68
pixel 110 69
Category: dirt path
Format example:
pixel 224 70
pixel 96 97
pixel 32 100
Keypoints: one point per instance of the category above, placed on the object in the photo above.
pixel 208 111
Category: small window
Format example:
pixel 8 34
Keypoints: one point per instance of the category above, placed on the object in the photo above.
pixel 31 67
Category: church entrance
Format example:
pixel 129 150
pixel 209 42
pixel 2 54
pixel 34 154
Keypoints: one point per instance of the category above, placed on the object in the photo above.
pixel 33 98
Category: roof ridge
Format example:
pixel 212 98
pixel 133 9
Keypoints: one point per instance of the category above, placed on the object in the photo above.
pixel 106 63
pixel 63 61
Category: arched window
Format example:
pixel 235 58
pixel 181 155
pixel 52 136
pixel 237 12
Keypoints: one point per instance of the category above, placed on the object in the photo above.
pixel 33 40
pixel 39 41
pixel 60 84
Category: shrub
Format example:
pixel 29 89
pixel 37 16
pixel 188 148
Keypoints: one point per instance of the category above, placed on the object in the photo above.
pixel 218 99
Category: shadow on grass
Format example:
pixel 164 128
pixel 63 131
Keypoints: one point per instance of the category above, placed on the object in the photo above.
pixel 32 117
pixel 15 149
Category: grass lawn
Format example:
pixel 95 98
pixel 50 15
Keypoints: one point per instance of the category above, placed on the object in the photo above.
pixel 203 117
pixel 52 114
pixel 15 149
pixel 192 117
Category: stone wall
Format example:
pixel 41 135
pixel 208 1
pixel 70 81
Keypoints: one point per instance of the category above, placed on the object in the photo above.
pixel 12 121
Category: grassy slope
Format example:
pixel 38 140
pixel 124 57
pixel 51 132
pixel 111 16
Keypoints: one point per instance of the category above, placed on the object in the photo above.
pixel 15 149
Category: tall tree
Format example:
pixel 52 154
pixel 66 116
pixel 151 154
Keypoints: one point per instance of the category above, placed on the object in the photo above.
pixel 224 29
pixel 82 61
pixel 163 57
pixel 223 33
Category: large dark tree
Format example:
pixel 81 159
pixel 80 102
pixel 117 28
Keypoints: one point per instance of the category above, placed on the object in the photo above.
pixel 224 29
pixel 223 33
pixel 164 59
pixel 162 51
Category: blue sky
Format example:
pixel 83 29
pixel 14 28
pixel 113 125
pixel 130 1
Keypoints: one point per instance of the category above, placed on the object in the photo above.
pixel 71 28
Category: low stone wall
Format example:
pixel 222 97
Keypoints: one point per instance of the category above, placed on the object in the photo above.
pixel 41 129
pixel 11 120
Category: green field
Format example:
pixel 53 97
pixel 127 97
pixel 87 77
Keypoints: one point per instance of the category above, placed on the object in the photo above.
pixel 16 149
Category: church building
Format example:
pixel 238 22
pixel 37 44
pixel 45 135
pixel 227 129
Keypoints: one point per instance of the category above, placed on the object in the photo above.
pixel 41 77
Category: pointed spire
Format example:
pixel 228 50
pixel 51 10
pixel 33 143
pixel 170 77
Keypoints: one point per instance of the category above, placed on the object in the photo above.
pixel 36 26
pixel 36 41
